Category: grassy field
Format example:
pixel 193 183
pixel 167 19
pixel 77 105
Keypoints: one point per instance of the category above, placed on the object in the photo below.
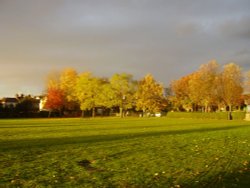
pixel 113 152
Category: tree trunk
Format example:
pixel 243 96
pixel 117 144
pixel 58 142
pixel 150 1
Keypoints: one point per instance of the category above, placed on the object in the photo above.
pixel 60 113
pixel 49 115
pixel 203 109
pixel 93 112
pixel 143 113
pixel 82 113
pixel 121 112
pixel 206 108
pixel 230 117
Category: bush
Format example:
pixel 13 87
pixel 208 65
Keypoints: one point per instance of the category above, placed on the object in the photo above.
pixel 202 115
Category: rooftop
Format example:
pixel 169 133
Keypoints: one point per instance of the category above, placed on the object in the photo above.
pixel 8 99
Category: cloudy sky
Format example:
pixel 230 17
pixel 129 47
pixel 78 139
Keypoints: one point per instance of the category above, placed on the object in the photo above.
pixel 168 38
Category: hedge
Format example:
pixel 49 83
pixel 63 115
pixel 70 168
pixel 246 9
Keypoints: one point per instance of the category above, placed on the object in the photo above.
pixel 203 115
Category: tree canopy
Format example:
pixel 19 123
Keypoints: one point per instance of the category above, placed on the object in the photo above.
pixel 149 96
pixel 209 88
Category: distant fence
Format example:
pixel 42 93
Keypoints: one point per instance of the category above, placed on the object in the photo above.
pixel 203 115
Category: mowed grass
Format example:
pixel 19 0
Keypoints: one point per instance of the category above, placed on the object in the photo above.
pixel 133 152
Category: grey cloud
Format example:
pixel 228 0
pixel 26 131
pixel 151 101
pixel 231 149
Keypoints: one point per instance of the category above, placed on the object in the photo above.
pixel 239 28
pixel 168 38
pixel 188 29
pixel 243 58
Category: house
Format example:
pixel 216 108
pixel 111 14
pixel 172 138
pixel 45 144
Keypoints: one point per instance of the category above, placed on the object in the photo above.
pixel 42 103
pixel 9 102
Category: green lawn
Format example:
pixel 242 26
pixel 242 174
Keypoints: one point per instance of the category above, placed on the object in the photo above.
pixel 133 152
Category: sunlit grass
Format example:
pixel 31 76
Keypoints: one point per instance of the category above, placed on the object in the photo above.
pixel 114 152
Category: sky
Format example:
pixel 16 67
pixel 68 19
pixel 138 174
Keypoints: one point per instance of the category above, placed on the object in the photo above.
pixel 168 38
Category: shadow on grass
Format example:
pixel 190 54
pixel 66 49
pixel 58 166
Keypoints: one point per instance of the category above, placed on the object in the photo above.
pixel 48 142
pixel 239 177
pixel 23 127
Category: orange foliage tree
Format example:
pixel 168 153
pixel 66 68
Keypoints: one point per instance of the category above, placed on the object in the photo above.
pixel 55 96
pixel 55 99
pixel 202 86
pixel 209 87
pixel 181 89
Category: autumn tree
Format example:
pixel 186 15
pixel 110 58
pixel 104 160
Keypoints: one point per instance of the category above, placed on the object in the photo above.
pixel 180 89
pixel 67 83
pixel 248 81
pixel 53 80
pixel 123 88
pixel 149 96
pixel 87 92
pixel 106 96
pixel 202 85
pixel 231 86
pixel 55 99
pixel 55 95
pixel 247 88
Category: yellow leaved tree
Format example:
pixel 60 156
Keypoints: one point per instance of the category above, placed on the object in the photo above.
pixel 123 88
pixel 231 86
pixel 149 95
pixel 87 90
pixel 67 84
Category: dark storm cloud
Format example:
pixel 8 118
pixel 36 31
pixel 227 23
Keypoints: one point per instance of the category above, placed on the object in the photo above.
pixel 168 38
pixel 238 28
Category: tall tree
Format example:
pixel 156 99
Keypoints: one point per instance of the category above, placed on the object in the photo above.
pixel 106 97
pixel 53 80
pixel 202 87
pixel 67 83
pixel 123 87
pixel 55 96
pixel 149 95
pixel 231 85
pixel 87 92
pixel 247 89
pixel 180 88
pixel 248 82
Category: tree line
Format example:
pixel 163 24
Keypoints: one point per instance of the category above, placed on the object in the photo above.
pixel 68 91
pixel 210 88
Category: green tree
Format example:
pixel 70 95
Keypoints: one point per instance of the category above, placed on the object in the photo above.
pixel 123 88
pixel 87 92
pixel 106 96
pixel 27 104
pixel 149 96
